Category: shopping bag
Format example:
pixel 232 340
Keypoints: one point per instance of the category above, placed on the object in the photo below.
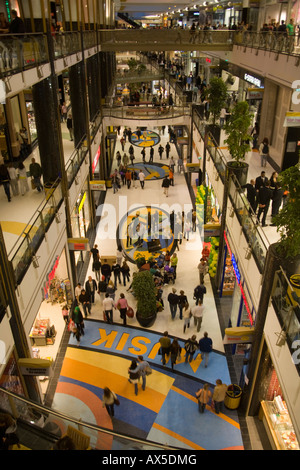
pixel 32 184
pixel 104 316
pixel 71 326
pixel 130 312
pixel 116 402
pixel 148 370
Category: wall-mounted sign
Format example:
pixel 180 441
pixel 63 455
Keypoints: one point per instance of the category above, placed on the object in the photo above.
pixel 255 81
pixel 292 120
pixel 238 334
pixel 78 244
pixel 35 367
pixel 97 185
pixel 255 94
pixel 96 160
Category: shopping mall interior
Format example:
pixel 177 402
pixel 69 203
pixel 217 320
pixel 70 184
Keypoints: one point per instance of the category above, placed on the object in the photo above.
pixel 134 117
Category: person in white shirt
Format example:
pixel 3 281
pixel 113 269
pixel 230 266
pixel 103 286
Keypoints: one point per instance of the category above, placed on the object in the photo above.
pixel 142 179
pixel 78 290
pixel 13 179
pixel 108 306
pixel 197 312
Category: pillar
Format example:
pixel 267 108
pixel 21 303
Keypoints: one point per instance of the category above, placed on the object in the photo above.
pixel 46 114
pixel 78 100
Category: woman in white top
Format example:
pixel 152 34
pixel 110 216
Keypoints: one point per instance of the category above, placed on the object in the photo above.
pixel 13 179
pixel 186 315
pixel 23 178
pixel 108 401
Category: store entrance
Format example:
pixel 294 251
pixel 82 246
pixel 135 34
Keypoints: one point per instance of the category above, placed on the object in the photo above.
pixel 49 325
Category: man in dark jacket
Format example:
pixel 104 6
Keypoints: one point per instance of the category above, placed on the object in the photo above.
pixel 35 171
pixel 106 271
pixel 205 346
pixel 251 194
pixel 91 288
pixel 264 198
pixel 5 181
pixel 17 25
pixel 85 300
pixel 173 302
pixel 199 292
pixel 166 184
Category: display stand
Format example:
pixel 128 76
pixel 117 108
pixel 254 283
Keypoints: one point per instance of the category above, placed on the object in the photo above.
pixel 41 333
pixel 278 425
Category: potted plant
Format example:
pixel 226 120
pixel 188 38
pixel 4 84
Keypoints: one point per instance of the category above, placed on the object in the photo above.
pixel 216 96
pixel 288 220
pixel 238 139
pixel 144 290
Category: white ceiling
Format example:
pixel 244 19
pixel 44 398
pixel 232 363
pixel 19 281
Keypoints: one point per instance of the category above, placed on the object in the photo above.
pixel 138 9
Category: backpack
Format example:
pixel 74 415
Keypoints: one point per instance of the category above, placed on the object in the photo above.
pixel 265 149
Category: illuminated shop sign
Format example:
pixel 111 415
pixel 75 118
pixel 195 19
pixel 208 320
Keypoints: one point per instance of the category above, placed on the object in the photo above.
pixel 238 278
pixel 255 81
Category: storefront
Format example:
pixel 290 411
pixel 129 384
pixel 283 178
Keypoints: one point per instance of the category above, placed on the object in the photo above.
pixel 243 86
pixel 272 407
pixel 48 326
pixel 4 136
pixel 30 116
pixel 233 284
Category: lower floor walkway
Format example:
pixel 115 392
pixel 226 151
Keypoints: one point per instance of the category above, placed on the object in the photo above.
pixel 167 411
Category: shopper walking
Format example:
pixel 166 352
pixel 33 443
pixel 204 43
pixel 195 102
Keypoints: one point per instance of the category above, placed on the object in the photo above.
pixel 125 270
pixel 264 151
pixel 128 178
pixel 108 306
pixel 203 269
pixel 165 344
pixel 205 347
pixel 133 372
pixel 144 369
pixel 199 292
pixel 102 288
pixel 108 401
pixel 142 179
pixel 219 395
pixel 175 351
pixel 91 288
pixel 35 171
pixel 173 302
pixel 14 183
pixel 85 301
pixel 190 347
pixel 182 301
pixel 122 306
pixel 77 318
pixel 204 396
pixel 5 181
pixel 197 312
pixel 24 188
pixel 166 184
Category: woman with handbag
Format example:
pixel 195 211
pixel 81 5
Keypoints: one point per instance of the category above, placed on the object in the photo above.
pixel 109 400
pixel 134 375
pixel 122 306
pixel 203 395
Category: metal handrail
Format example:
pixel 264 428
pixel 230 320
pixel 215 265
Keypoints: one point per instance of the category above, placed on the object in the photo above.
pixel 80 423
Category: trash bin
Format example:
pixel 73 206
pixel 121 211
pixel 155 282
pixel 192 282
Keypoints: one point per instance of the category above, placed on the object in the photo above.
pixel 233 397
pixel 108 183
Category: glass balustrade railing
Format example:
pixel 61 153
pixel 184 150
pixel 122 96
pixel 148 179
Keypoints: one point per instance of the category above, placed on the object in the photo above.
pixel 269 40
pixel 56 424
pixel 20 52
pixel 143 112
pixel 23 252
pixel 75 161
pixel 257 242
pixel 286 303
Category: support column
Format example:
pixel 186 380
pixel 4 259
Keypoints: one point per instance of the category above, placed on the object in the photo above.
pixel 46 115
pixel 78 100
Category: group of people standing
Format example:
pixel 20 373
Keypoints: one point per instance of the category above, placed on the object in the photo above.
pixel 15 180
pixel 262 191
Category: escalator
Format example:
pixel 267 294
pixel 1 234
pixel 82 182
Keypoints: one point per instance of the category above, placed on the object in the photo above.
pixel 125 17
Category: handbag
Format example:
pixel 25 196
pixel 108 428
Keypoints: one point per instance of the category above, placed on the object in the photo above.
pixel 148 370
pixel 104 316
pixel 116 401
pixel 130 312
pixel 32 184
